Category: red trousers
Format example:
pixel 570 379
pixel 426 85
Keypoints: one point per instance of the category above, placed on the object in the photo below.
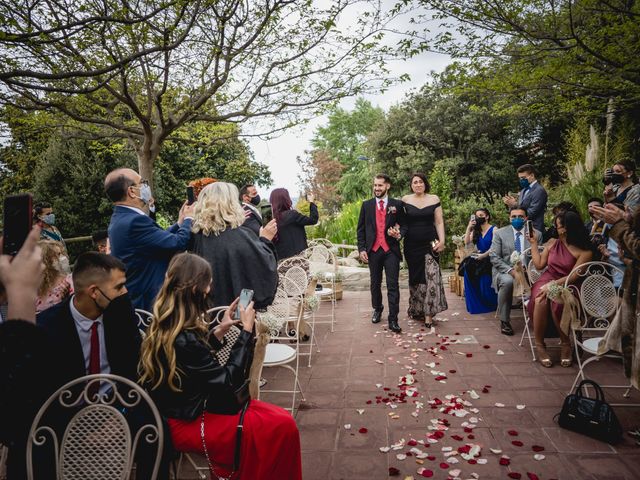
pixel 270 442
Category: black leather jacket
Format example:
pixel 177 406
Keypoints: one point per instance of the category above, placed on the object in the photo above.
pixel 203 378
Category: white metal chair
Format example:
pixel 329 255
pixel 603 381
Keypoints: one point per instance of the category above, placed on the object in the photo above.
pixel 323 265
pixel 144 320
pixel 284 353
pixel 97 443
pixel 533 275
pixel 599 302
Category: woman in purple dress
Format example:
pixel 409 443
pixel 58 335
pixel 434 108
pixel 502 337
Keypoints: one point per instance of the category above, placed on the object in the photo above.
pixel 571 249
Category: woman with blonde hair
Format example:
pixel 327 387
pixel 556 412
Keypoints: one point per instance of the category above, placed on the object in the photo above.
pixel 56 284
pixel 237 257
pixel 196 393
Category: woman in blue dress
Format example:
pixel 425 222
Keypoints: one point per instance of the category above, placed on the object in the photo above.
pixel 479 296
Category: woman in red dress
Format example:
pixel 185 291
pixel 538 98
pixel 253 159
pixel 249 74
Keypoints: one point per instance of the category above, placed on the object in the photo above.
pixel 190 387
pixel 560 256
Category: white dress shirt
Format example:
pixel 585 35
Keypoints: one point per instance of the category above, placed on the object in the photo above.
pixel 83 326
pixel 385 199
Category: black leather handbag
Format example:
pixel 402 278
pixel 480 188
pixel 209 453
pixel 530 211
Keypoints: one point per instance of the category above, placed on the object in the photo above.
pixel 590 416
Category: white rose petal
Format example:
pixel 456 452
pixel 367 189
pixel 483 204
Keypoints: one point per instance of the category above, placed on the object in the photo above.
pixel 539 456
pixel 499 405
pixel 473 394
pixel 455 473
pixel 482 461
pixel 497 451
pixel 385 449
pixel 499 352
pixel 401 456
pixel 520 407
pixel 347 426
pixel 452 460
pixel 360 410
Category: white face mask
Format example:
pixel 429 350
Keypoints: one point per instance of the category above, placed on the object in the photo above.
pixel 63 262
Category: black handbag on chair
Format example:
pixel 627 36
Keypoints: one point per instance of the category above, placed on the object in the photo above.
pixel 590 416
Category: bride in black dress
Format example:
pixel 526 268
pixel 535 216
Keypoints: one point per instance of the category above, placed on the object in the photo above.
pixel 423 243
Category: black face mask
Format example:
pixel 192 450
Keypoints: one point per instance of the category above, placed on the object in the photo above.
pixel 114 304
pixel 480 220
pixel 255 200
pixel 617 178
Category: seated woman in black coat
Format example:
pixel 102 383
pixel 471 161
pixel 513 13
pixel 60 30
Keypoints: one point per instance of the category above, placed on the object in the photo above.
pixel 237 257
pixel 195 392
pixel 291 238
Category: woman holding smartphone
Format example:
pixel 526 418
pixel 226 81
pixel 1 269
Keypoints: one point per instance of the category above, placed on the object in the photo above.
pixel 423 243
pixel 292 237
pixel 479 296
pixel 196 394
pixel 560 256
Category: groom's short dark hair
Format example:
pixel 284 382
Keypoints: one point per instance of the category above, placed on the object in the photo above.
pixel 384 177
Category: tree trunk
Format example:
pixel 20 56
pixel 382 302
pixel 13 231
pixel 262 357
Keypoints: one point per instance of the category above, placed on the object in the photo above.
pixel 147 154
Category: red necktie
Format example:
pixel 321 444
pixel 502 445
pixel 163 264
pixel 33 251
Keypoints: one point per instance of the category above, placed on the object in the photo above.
pixel 382 205
pixel 94 358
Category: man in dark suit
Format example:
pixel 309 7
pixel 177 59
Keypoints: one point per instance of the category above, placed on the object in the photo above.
pixel 532 196
pixel 143 246
pixel 95 331
pixel 379 231
pixel 250 201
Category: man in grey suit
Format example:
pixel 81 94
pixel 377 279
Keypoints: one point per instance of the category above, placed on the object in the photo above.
pixel 532 196
pixel 506 240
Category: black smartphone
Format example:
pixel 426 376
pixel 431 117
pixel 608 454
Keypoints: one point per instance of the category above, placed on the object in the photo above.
pixel 246 295
pixel 18 220
pixel 267 213
pixel 530 231
pixel 190 196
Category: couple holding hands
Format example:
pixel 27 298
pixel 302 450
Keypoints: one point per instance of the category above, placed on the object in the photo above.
pixel 418 219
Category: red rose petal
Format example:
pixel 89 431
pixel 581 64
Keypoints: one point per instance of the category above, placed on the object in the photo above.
pixel 363 430
pixel 486 346
pixel 505 462
pixel 471 437
pixel 532 476
pixel 457 437
pixel 472 461
pixel 514 475
pixel 452 371
pixel 485 390
pixel 370 351
pixel 513 433
pixel 412 443
pixel 427 473
pixel 469 355
pixel 517 443
pixel 369 402
pixel 394 472
pixel 444 465
pixel 431 457
pixel 537 448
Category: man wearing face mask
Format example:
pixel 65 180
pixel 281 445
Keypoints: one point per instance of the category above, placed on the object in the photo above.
pixel 44 217
pixel 532 196
pixel 143 246
pixel 94 331
pixel 250 201
pixel 507 240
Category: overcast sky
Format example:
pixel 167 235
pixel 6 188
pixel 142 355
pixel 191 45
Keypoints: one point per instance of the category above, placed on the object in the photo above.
pixel 280 153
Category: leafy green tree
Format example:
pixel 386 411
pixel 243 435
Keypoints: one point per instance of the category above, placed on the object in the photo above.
pixel 140 71
pixel 343 139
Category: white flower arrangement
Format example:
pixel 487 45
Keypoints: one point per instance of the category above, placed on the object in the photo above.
pixel 273 323
pixel 515 258
pixel 555 291
pixel 312 303
pixel 458 240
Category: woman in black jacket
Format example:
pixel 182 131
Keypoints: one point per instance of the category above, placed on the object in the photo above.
pixel 291 238
pixel 192 389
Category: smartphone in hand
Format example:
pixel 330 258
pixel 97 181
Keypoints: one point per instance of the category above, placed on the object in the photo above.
pixel 529 232
pixel 267 214
pixel 246 295
pixel 190 196
pixel 18 220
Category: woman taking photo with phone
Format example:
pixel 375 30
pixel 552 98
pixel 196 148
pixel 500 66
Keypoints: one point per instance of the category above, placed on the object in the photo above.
pixel 423 243
pixel 197 395
pixel 292 237
pixel 560 256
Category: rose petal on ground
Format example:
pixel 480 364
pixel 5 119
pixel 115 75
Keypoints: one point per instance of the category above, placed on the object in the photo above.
pixel 469 355
pixel 497 451
pixel 517 443
pixel 347 426
pixel 474 395
pixel 401 456
pixel 394 472
pixel 513 433
pixel 499 405
pixel 537 448
pixel 425 473
pixel 485 390
pixel 363 430
pixel 360 410
pixel 539 456
pixel 499 352
pixel 444 465
pixel 520 407
pixel 514 475
pixel 486 346
pixel 482 461
pixel 455 472
pixel 384 449
pixel 457 437
pixel 505 461
pixel 532 476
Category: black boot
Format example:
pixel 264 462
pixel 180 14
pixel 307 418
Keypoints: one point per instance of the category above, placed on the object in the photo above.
pixel 394 327
pixel 377 315
pixel 505 328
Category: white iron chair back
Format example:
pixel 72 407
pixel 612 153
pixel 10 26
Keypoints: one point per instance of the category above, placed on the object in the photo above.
pixel 144 320
pixel 533 275
pixel 599 302
pixel 323 265
pixel 97 442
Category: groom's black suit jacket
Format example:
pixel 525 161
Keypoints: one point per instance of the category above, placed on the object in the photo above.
pixel 367 224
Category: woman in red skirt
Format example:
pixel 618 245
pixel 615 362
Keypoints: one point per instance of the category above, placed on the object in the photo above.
pixel 193 390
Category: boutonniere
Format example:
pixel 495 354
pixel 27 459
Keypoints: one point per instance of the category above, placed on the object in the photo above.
pixel 391 209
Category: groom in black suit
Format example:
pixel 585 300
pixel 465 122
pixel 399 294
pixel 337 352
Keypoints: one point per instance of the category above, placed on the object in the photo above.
pixel 380 228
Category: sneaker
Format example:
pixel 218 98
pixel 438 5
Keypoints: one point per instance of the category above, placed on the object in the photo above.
pixel 262 382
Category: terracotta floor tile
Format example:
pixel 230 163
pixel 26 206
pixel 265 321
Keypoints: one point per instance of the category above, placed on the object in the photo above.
pixel 567 441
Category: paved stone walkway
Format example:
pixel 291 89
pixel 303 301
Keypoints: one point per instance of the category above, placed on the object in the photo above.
pixel 354 382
